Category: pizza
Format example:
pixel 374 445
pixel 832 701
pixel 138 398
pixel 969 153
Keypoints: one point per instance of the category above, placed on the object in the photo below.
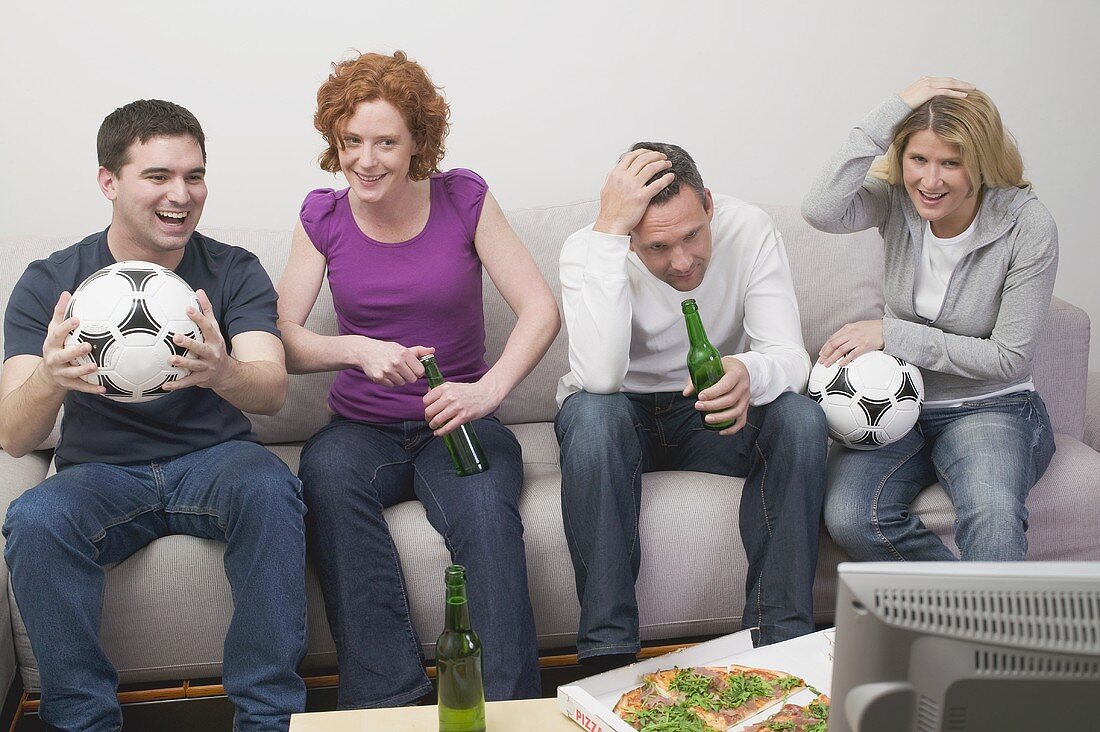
pixel 813 717
pixel 703 698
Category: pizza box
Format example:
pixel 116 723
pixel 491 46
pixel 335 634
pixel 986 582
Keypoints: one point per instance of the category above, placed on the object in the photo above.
pixel 588 702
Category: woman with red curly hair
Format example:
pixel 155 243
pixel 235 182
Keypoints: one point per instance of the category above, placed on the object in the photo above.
pixel 403 246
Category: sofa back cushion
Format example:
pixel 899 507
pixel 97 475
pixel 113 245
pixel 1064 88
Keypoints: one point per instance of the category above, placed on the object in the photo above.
pixel 837 280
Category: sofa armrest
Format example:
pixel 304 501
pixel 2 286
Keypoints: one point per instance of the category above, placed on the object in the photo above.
pixel 1092 412
pixel 16 476
pixel 1061 366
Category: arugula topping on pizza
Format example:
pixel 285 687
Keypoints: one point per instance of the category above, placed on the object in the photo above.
pixel 680 700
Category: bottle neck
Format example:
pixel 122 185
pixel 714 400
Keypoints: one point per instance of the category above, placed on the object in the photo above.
pixel 696 335
pixel 457 616
pixel 431 370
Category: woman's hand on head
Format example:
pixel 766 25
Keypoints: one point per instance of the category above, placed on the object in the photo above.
pixel 391 364
pixel 454 403
pixel 926 87
pixel 851 341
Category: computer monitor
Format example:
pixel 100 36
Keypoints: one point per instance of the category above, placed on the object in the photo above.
pixel 966 646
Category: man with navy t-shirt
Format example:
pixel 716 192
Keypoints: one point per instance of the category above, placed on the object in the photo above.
pixel 186 463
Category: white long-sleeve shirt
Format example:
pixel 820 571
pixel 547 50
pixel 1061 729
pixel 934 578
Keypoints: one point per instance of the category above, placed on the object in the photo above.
pixel 626 327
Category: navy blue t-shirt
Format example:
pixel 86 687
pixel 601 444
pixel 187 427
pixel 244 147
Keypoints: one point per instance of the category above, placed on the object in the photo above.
pixel 97 429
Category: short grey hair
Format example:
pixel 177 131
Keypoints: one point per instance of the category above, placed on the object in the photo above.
pixel 683 167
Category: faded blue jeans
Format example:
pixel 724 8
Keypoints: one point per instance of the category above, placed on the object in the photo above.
pixel 608 441
pixel 351 471
pixel 63 532
pixel 986 454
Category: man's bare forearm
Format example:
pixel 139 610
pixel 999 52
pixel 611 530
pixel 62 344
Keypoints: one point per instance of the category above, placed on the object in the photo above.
pixel 256 387
pixel 28 413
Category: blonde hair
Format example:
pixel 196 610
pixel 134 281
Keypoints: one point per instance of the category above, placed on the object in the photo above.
pixel 973 125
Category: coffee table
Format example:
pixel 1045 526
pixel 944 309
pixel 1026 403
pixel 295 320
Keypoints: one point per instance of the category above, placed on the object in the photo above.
pixel 528 715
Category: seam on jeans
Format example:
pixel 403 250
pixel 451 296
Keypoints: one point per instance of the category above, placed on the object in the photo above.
pixel 768 525
pixel 124 519
pixel 634 502
pixel 446 521
pixel 611 648
pixel 878 492
pixel 222 524
pixel 397 699
pixel 158 481
pixel 400 575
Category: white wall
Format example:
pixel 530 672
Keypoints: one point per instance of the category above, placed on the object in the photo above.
pixel 544 96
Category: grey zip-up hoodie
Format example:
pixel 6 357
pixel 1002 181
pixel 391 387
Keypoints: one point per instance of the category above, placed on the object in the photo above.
pixel 998 296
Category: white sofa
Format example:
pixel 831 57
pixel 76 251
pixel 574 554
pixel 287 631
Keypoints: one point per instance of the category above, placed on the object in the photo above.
pixel 167 607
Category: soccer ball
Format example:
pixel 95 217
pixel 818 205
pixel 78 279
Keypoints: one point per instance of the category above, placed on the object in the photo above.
pixel 129 312
pixel 872 401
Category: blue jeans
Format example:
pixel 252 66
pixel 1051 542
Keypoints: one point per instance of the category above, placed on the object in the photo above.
pixel 351 471
pixel 986 454
pixel 63 532
pixel 608 441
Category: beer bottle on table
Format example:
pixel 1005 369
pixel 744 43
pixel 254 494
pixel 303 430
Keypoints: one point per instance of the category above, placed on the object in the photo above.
pixel 458 662
pixel 704 362
pixel 462 443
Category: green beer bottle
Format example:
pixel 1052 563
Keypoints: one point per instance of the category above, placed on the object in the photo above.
pixel 458 662
pixel 704 361
pixel 462 443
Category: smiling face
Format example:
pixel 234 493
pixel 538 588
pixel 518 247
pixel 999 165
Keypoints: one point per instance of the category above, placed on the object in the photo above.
pixel 938 184
pixel 377 150
pixel 157 198
pixel 673 239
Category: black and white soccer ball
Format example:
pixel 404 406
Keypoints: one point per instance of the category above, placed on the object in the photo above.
pixel 129 313
pixel 870 402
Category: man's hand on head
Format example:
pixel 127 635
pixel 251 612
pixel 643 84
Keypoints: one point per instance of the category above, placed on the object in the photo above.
pixel 627 190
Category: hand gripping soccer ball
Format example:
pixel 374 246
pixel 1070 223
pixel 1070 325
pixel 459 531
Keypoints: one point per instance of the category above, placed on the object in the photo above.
pixel 870 402
pixel 129 312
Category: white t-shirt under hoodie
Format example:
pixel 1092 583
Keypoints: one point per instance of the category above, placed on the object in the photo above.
pixel 938 259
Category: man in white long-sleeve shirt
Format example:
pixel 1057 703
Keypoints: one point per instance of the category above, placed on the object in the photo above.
pixel 627 406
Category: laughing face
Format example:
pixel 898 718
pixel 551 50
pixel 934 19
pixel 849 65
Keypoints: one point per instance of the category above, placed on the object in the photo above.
pixel 157 198
pixel 938 184
pixel 377 150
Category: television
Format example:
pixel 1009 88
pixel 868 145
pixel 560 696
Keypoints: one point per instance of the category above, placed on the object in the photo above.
pixel 966 647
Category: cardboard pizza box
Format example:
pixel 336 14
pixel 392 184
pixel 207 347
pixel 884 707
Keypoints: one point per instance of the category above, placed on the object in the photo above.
pixel 588 702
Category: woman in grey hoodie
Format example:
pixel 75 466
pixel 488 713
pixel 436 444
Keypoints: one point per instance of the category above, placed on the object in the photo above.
pixel 971 256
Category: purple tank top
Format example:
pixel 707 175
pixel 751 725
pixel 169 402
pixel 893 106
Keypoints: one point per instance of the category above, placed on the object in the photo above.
pixel 425 291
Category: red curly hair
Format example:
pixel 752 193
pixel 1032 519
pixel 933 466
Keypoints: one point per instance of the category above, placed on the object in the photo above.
pixel 401 82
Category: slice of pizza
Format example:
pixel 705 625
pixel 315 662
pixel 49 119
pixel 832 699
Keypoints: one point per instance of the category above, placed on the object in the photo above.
pixel 725 696
pixel 685 684
pixel 654 706
pixel 665 718
pixel 747 692
pixel 813 717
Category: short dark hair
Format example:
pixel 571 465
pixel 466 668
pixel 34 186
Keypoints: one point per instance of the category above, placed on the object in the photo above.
pixel 139 121
pixel 684 168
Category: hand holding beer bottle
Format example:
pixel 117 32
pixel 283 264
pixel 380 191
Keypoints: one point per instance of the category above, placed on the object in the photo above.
pixel 462 444
pixel 704 362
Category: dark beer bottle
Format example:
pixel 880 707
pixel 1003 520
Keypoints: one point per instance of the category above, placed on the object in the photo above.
pixel 704 361
pixel 462 443
pixel 458 662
